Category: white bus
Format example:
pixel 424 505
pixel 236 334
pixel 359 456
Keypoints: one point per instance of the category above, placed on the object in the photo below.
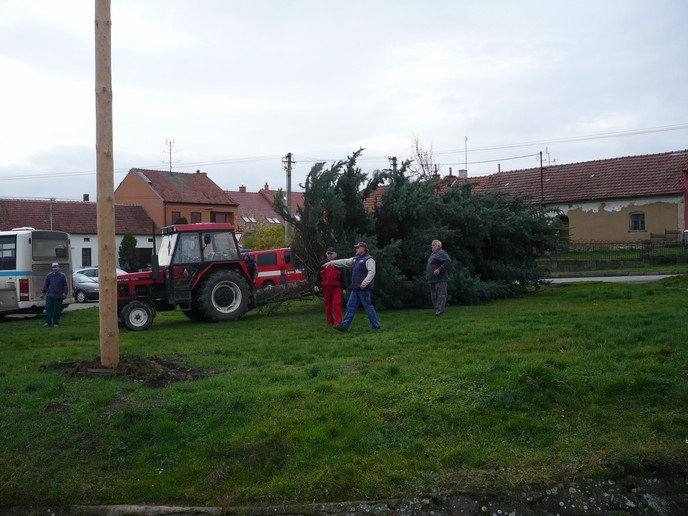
pixel 26 256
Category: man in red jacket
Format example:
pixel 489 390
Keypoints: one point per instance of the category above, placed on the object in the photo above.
pixel 332 281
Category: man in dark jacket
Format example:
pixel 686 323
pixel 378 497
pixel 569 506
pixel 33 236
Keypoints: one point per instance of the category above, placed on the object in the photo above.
pixel 54 291
pixel 332 281
pixel 437 271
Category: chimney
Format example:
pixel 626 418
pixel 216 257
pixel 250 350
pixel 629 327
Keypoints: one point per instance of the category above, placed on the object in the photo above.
pixel 266 187
pixel 242 189
pixel 86 197
pixel 463 173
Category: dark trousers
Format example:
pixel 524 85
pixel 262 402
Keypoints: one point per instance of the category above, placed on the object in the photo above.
pixel 53 310
pixel 438 294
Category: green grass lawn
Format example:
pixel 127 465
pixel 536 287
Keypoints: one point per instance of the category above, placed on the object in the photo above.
pixel 580 380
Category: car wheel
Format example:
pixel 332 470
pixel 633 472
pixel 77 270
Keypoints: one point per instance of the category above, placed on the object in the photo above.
pixel 80 296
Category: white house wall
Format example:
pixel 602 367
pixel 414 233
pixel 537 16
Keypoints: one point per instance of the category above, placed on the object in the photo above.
pixel 80 242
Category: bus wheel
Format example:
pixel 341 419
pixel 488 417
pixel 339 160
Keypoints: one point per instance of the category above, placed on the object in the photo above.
pixel 137 316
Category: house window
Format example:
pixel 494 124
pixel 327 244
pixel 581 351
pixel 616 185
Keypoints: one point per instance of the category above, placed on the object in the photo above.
pixel 176 215
pixel 218 217
pixel 637 222
pixel 273 220
pixel 86 257
pixel 195 217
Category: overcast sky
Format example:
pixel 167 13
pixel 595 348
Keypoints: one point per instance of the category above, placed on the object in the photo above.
pixel 236 85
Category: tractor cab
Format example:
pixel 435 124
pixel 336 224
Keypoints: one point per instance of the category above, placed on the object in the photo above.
pixel 187 250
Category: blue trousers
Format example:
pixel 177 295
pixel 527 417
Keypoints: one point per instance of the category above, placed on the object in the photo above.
pixel 360 297
pixel 53 310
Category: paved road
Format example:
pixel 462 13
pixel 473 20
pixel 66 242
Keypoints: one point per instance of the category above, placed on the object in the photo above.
pixel 641 278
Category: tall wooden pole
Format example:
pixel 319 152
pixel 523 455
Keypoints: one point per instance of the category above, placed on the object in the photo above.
pixel 109 331
pixel 288 162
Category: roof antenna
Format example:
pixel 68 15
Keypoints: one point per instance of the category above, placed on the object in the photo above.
pixel 170 144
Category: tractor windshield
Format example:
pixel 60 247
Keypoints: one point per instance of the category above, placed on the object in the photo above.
pixel 220 246
pixel 188 249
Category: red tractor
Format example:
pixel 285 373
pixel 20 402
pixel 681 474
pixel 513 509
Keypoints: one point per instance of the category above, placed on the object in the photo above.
pixel 199 269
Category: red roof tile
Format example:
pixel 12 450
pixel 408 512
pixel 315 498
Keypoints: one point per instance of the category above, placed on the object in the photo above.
pixel 631 176
pixel 259 205
pixel 74 217
pixel 196 188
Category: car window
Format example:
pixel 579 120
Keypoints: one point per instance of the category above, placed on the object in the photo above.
pixel 267 259
pixel 82 278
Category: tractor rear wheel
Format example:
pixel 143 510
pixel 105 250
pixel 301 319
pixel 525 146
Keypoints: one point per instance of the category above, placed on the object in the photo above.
pixel 223 296
pixel 137 316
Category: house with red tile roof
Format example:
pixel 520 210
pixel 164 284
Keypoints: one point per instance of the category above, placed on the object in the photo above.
pixel 79 219
pixel 613 200
pixel 255 208
pixel 167 196
pixel 620 199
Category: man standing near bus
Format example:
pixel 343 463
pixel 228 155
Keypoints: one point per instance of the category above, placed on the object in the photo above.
pixel 54 291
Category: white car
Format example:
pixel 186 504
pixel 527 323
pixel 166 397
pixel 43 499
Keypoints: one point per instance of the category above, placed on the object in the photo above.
pixel 92 272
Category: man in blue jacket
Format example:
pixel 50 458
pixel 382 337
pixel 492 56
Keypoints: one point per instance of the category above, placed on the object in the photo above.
pixel 437 272
pixel 362 267
pixel 54 291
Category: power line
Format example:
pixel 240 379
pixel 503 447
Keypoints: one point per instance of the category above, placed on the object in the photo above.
pixel 489 160
pixel 598 136
pixel 251 159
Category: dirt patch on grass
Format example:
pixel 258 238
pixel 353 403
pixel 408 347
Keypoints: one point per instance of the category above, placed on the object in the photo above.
pixel 155 371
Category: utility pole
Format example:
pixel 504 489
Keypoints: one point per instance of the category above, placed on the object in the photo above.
pixel 52 200
pixel 105 176
pixel 542 183
pixel 465 151
pixel 287 163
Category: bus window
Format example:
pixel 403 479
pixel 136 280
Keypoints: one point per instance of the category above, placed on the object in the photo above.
pixel 8 253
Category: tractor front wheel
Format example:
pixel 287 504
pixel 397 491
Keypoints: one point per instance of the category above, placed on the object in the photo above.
pixel 137 316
